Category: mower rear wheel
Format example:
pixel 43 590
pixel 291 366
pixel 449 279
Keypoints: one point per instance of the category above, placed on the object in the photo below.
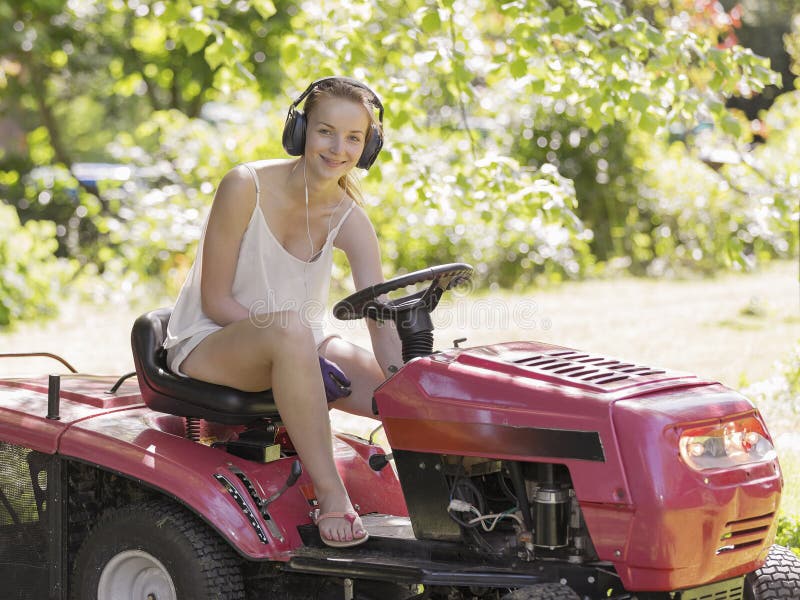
pixel 778 579
pixel 543 591
pixel 155 551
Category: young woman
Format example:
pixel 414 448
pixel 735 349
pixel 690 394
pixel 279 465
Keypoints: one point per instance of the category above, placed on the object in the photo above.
pixel 250 313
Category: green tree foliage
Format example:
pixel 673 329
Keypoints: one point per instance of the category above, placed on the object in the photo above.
pixel 475 86
pixel 789 533
pixel 83 79
pixel 520 135
pixel 29 274
pixel 664 211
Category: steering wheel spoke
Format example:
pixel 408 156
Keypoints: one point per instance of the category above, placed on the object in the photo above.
pixel 411 313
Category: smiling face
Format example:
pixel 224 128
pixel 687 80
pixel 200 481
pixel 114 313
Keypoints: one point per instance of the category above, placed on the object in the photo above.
pixel 335 136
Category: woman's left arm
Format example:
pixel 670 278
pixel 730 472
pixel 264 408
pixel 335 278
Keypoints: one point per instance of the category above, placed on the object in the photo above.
pixel 360 243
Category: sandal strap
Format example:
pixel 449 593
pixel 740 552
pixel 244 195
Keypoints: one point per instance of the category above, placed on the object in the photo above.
pixel 350 517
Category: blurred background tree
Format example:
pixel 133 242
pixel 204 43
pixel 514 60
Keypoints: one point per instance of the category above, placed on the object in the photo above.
pixel 537 139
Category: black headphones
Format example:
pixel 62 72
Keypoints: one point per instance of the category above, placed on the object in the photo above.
pixel 294 131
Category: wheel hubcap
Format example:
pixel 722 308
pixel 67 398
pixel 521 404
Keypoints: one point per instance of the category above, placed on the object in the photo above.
pixel 135 575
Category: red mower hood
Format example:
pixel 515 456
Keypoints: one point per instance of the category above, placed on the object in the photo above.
pixel 512 386
pixel 562 366
pixel 526 401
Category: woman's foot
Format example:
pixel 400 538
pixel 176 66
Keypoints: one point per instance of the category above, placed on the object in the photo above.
pixel 340 528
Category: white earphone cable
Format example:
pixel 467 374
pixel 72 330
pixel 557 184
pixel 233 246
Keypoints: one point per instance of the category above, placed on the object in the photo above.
pixel 308 225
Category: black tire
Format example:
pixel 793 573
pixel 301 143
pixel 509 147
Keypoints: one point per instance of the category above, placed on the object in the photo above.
pixel 166 547
pixel 778 579
pixel 543 591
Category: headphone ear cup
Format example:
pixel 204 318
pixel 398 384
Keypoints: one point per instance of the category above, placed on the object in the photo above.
pixel 294 133
pixel 371 149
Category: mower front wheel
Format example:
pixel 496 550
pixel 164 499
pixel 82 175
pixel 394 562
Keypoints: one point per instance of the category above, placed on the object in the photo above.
pixel 543 591
pixel 778 579
pixel 155 550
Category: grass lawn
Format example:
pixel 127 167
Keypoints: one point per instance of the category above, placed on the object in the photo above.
pixel 790 463
pixel 732 329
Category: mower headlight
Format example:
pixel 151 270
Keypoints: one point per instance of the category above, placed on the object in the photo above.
pixel 726 444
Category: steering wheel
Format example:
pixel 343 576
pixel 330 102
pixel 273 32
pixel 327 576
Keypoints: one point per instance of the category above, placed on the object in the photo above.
pixel 365 303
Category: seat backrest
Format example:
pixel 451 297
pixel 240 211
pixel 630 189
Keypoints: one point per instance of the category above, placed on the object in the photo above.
pixel 147 338
pixel 163 391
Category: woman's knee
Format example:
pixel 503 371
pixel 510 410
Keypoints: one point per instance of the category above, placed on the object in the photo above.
pixel 289 330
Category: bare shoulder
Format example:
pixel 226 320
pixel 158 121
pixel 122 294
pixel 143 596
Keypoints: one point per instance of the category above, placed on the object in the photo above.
pixel 356 231
pixel 237 184
pixel 235 198
pixel 359 216
pixel 272 164
pixel 275 170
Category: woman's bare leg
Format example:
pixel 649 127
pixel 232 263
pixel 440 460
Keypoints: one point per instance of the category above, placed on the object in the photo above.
pixel 363 371
pixel 253 357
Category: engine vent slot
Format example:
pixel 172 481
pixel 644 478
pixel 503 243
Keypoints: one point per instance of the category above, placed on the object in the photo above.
pixel 745 533
pixel 581 367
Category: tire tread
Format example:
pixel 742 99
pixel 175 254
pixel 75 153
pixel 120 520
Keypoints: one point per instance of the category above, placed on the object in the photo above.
pixel 219 565
pixel 779 578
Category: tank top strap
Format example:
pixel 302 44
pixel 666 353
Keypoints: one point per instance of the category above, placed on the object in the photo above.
pixel 255 180
pixel 335 230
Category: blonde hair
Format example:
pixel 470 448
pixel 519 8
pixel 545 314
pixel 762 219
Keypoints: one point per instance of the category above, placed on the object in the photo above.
pixel 340 88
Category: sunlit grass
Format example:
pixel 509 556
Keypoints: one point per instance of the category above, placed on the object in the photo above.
pixel 790 465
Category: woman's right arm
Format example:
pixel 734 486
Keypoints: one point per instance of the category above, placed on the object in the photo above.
pixel 230 213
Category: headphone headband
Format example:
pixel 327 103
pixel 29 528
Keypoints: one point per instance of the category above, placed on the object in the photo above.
pixel 294 131
pixel 375 101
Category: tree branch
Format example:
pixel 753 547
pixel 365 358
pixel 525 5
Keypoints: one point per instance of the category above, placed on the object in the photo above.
pixel 62 155
pixel 764 177
pixel 461 104
pixel 48 118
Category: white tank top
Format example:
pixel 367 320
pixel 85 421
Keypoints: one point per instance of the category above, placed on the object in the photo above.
pixel 268 279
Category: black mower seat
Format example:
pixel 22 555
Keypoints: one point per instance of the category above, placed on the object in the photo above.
pixel 163 391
